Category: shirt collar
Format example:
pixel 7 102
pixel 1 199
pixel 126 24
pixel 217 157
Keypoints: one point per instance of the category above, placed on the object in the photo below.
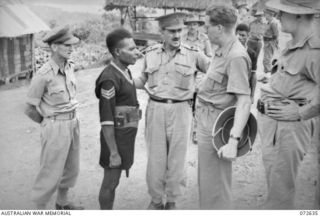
pixel 301 43
pixel 179 50
pixel 223 52
pixel 54 66
pixel 124 73
pixel 186 37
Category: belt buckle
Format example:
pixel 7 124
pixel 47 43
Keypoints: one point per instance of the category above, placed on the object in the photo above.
pixel 170 101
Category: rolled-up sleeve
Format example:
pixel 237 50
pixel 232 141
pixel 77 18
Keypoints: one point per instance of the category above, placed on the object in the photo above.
pixel 36 90
pixel 313 108
pixel 238 76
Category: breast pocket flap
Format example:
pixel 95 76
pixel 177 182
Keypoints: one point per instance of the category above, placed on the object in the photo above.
pixel 184 70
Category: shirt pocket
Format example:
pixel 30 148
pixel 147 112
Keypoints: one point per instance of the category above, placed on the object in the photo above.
pixel 214 83
pixel 184 76
pixel 58 94
pixel 152 76
pixel 285 79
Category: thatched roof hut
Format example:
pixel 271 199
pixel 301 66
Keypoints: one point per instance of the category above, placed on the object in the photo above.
pixel 191 5
pixel 18 25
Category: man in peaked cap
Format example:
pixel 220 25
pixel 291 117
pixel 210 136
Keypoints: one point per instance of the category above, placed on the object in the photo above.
pixel 169 70
pixel 289 102
pixel 257 29
pixel 51 102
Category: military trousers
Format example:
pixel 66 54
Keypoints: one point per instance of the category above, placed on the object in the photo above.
pixel 214 173
pixel 255 47
pixel 168 128
pixel 59 160
pixel 269 49
pixel 284 144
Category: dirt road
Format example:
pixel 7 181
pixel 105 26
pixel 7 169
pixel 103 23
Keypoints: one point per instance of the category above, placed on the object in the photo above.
pixel 20 151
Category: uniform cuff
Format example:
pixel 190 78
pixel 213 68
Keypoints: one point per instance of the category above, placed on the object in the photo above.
pixel 308 111
pixel 107 123
pixel 33 101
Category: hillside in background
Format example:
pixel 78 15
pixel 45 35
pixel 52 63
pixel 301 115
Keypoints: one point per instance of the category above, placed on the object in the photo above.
pixel 95 2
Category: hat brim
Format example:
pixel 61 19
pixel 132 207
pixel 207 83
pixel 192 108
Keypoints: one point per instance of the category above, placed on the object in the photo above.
pixel 174 27
pixel 194 21
pixel 288 7
pixel 222 127
pixel 73 40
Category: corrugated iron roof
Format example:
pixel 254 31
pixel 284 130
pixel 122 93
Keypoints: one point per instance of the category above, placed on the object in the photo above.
pixel 17 19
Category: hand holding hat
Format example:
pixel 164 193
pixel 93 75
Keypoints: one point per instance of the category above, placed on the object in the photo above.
pixel 229 151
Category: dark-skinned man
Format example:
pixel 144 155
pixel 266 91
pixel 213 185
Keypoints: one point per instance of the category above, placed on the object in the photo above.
pixel 119 113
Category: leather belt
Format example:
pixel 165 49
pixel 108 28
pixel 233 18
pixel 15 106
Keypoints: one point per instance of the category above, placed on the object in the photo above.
pixel 262 106
pixel 64 116
pixel 169 101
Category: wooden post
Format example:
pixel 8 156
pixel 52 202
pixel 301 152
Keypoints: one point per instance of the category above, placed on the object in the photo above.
pixel 135 18
pixel 33 56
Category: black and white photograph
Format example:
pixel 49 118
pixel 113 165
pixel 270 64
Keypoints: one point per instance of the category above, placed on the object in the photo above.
pixel 159 105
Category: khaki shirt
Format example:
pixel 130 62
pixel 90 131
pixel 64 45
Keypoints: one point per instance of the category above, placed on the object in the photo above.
pixel 297 76
pixel 51 91
pixel 227 75
pixel 201 41
pixel 172 77
pixel 257 30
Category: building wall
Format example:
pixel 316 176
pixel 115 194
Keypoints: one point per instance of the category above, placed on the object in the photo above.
pixel 16 55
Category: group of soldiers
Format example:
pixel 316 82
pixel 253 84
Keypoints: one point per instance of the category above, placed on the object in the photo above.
pixel 288 108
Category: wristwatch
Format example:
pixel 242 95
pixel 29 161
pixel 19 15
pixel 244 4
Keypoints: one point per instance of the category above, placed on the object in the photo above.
pixel 234 137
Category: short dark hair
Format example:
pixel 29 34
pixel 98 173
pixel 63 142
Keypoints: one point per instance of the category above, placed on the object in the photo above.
pixel 116 36
pixel 222 15
pixel 242 27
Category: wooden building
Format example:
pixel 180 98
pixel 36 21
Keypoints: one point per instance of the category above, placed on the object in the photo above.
pixel 17 27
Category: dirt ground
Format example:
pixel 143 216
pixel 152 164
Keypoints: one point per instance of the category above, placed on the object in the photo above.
pixel 20 152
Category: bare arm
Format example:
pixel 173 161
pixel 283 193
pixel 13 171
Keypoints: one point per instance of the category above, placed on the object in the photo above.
pixel 109 136
pixel 241 115
pixel 229 151
pixel 142 79
pixel 32 112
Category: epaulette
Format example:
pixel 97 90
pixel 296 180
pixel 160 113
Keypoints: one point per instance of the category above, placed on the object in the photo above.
pixel 44 69
pixel 151 48
pixel 188 47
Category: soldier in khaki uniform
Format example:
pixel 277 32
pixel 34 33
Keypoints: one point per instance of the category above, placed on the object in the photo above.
pixel 169 70
pixel 289 102
pixel 316 138
pixel 51 102
pixel 257 29
pixel 225 84
pixel 195 38
pixel 270 40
